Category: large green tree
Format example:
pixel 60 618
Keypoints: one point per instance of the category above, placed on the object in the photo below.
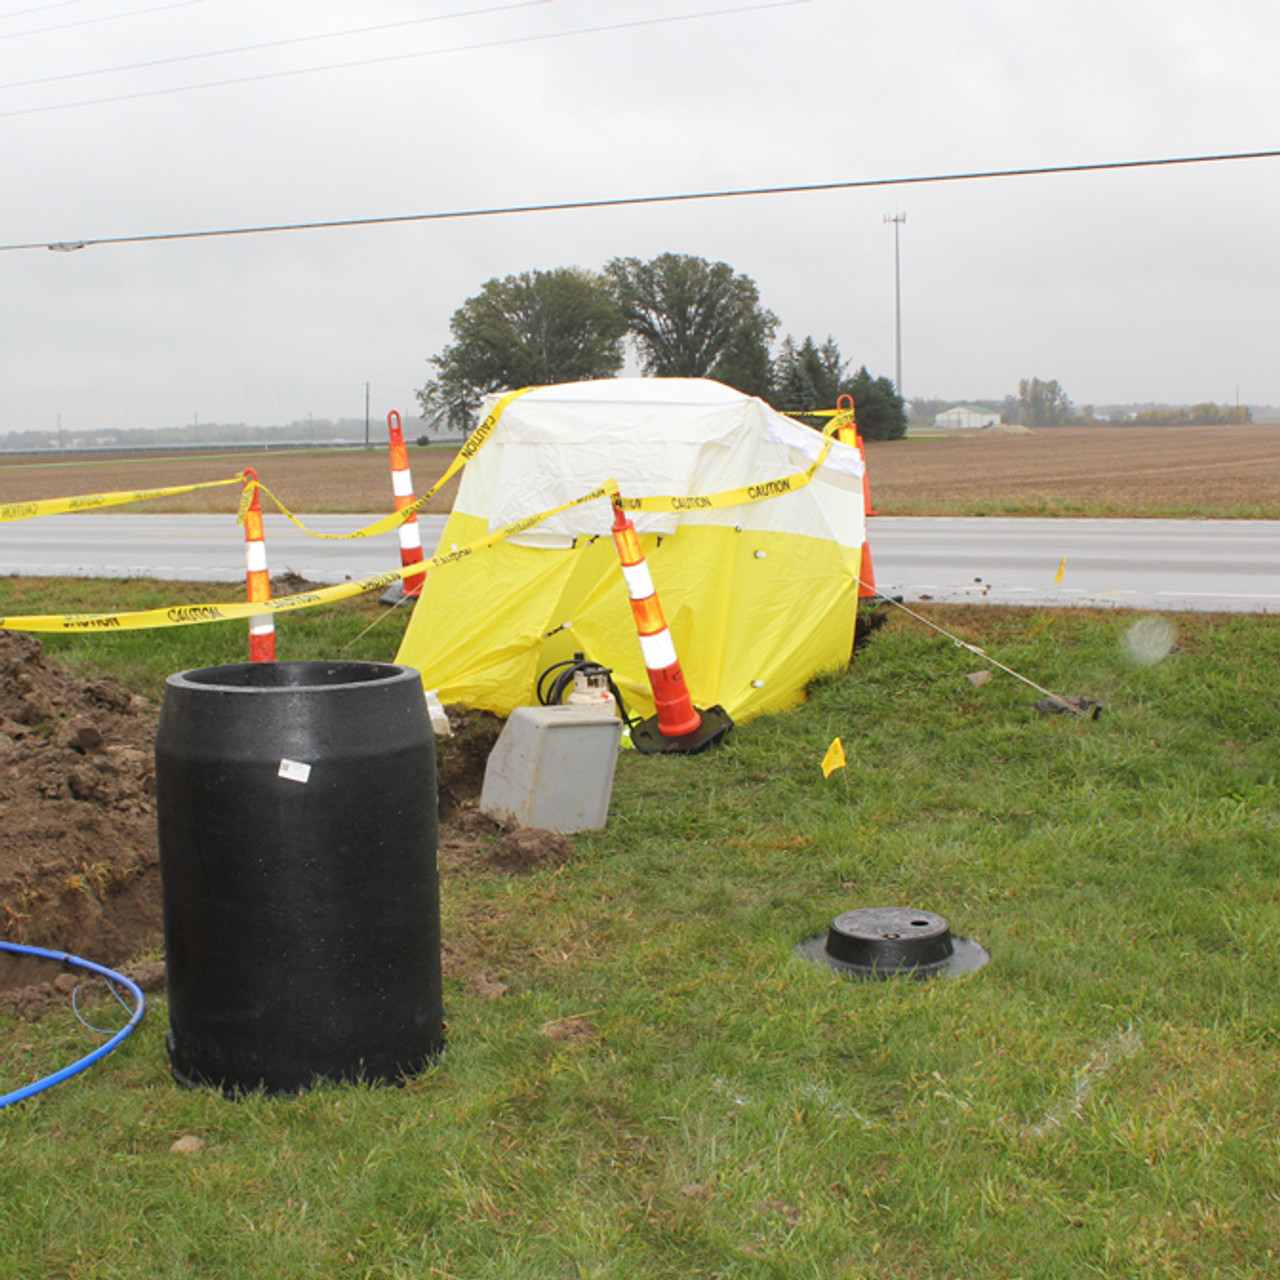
pixel 527 330
pixel 1042 404
pixel 880 411
pixel 691 318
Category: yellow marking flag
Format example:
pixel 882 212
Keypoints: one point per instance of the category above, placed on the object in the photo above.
pixel 1062 569
pixel 834 759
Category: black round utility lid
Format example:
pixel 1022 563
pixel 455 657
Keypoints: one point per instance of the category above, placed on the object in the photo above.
pixel 889 942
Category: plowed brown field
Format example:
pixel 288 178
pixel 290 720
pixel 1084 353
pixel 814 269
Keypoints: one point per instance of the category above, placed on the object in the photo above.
pixel 1099 471
pixel 1102 471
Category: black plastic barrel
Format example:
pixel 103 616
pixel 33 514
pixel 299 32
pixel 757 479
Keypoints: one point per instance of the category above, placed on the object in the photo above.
pixel 297 820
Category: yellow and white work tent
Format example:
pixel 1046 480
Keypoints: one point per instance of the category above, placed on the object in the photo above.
pixel 752 524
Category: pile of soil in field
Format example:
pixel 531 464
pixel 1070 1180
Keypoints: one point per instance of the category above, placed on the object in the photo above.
pixel 79 870
pixel 79 859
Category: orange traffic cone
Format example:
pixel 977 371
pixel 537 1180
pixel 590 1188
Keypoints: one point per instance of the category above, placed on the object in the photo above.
pixel 678 727
pixel 409 587
pixel 847 430
pixel 867 508
pixel 866 573
pixel 848 433
pixel 262 626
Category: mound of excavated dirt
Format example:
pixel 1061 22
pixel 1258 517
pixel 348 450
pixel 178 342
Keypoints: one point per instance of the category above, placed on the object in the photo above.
pixel 79 862
pixel 1003 429
pixel 79 870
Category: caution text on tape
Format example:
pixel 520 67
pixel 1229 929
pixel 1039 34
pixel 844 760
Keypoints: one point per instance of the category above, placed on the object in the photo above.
pixel 95 501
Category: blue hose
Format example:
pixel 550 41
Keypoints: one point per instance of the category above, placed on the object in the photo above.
pixel 140 1007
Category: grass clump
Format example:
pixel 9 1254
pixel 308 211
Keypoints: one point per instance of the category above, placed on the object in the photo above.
pixel 664 1089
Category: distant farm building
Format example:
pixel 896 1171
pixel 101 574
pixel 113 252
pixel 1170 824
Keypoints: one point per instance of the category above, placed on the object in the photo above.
pixel 964 415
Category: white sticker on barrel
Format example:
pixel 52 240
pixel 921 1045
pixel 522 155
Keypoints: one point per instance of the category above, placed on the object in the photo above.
pixel 294 770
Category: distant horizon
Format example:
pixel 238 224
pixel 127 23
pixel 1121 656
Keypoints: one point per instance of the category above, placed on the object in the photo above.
pixel 240 215
pixel 327 427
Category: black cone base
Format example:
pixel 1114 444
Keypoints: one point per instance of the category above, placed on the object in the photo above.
pixel 647 738
pixel 893 942
pixel 395 594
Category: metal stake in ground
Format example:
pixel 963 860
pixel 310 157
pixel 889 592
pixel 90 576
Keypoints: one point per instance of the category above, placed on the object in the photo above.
pixel 1082 708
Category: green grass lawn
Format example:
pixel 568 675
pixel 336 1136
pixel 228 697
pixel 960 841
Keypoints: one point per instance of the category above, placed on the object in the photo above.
pixel 666 1090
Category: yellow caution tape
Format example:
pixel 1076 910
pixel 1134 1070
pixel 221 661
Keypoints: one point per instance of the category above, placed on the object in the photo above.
pixel 246 499
pixel 841 419
pixel 186 615
pixel 735 497
pixel 482 433
pixel 195 614
pixel 609 489
pixel 738 497
pixel 473 444
pixel 93 501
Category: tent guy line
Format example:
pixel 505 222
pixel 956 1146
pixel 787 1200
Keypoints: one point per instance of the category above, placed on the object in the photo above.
pixel 70 246
pixel 1065 703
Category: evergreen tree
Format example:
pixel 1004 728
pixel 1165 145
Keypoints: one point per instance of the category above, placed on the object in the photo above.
pixel 879 408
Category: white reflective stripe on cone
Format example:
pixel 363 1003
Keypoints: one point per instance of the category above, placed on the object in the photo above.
pixel 402 484
pixel 658 650
pixel 639 580
pixel 255 555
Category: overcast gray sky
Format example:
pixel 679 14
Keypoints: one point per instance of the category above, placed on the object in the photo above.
pixel 1157 284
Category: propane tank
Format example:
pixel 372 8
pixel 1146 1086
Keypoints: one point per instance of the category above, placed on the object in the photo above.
pixel 591 689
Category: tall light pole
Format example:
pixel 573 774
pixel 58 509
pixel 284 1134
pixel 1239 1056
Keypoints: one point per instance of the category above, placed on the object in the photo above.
pixel 897 219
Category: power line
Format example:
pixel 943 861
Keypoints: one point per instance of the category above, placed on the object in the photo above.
pixel 541 37
pixel 86 22
pixel 67 246
pixel 40 8
pixel 273 44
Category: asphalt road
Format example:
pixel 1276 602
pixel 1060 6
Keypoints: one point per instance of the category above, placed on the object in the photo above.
pixel 197 548
pixel 1231 566
pixel 1227 565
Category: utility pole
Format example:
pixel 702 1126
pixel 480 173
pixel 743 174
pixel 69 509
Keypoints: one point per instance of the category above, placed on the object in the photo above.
pixel 897 219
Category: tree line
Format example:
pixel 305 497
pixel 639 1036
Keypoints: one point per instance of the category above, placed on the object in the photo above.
pixel 683 317
pixel 1044 403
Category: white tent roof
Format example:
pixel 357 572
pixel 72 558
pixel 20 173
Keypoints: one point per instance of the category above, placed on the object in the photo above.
pixel 655 436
